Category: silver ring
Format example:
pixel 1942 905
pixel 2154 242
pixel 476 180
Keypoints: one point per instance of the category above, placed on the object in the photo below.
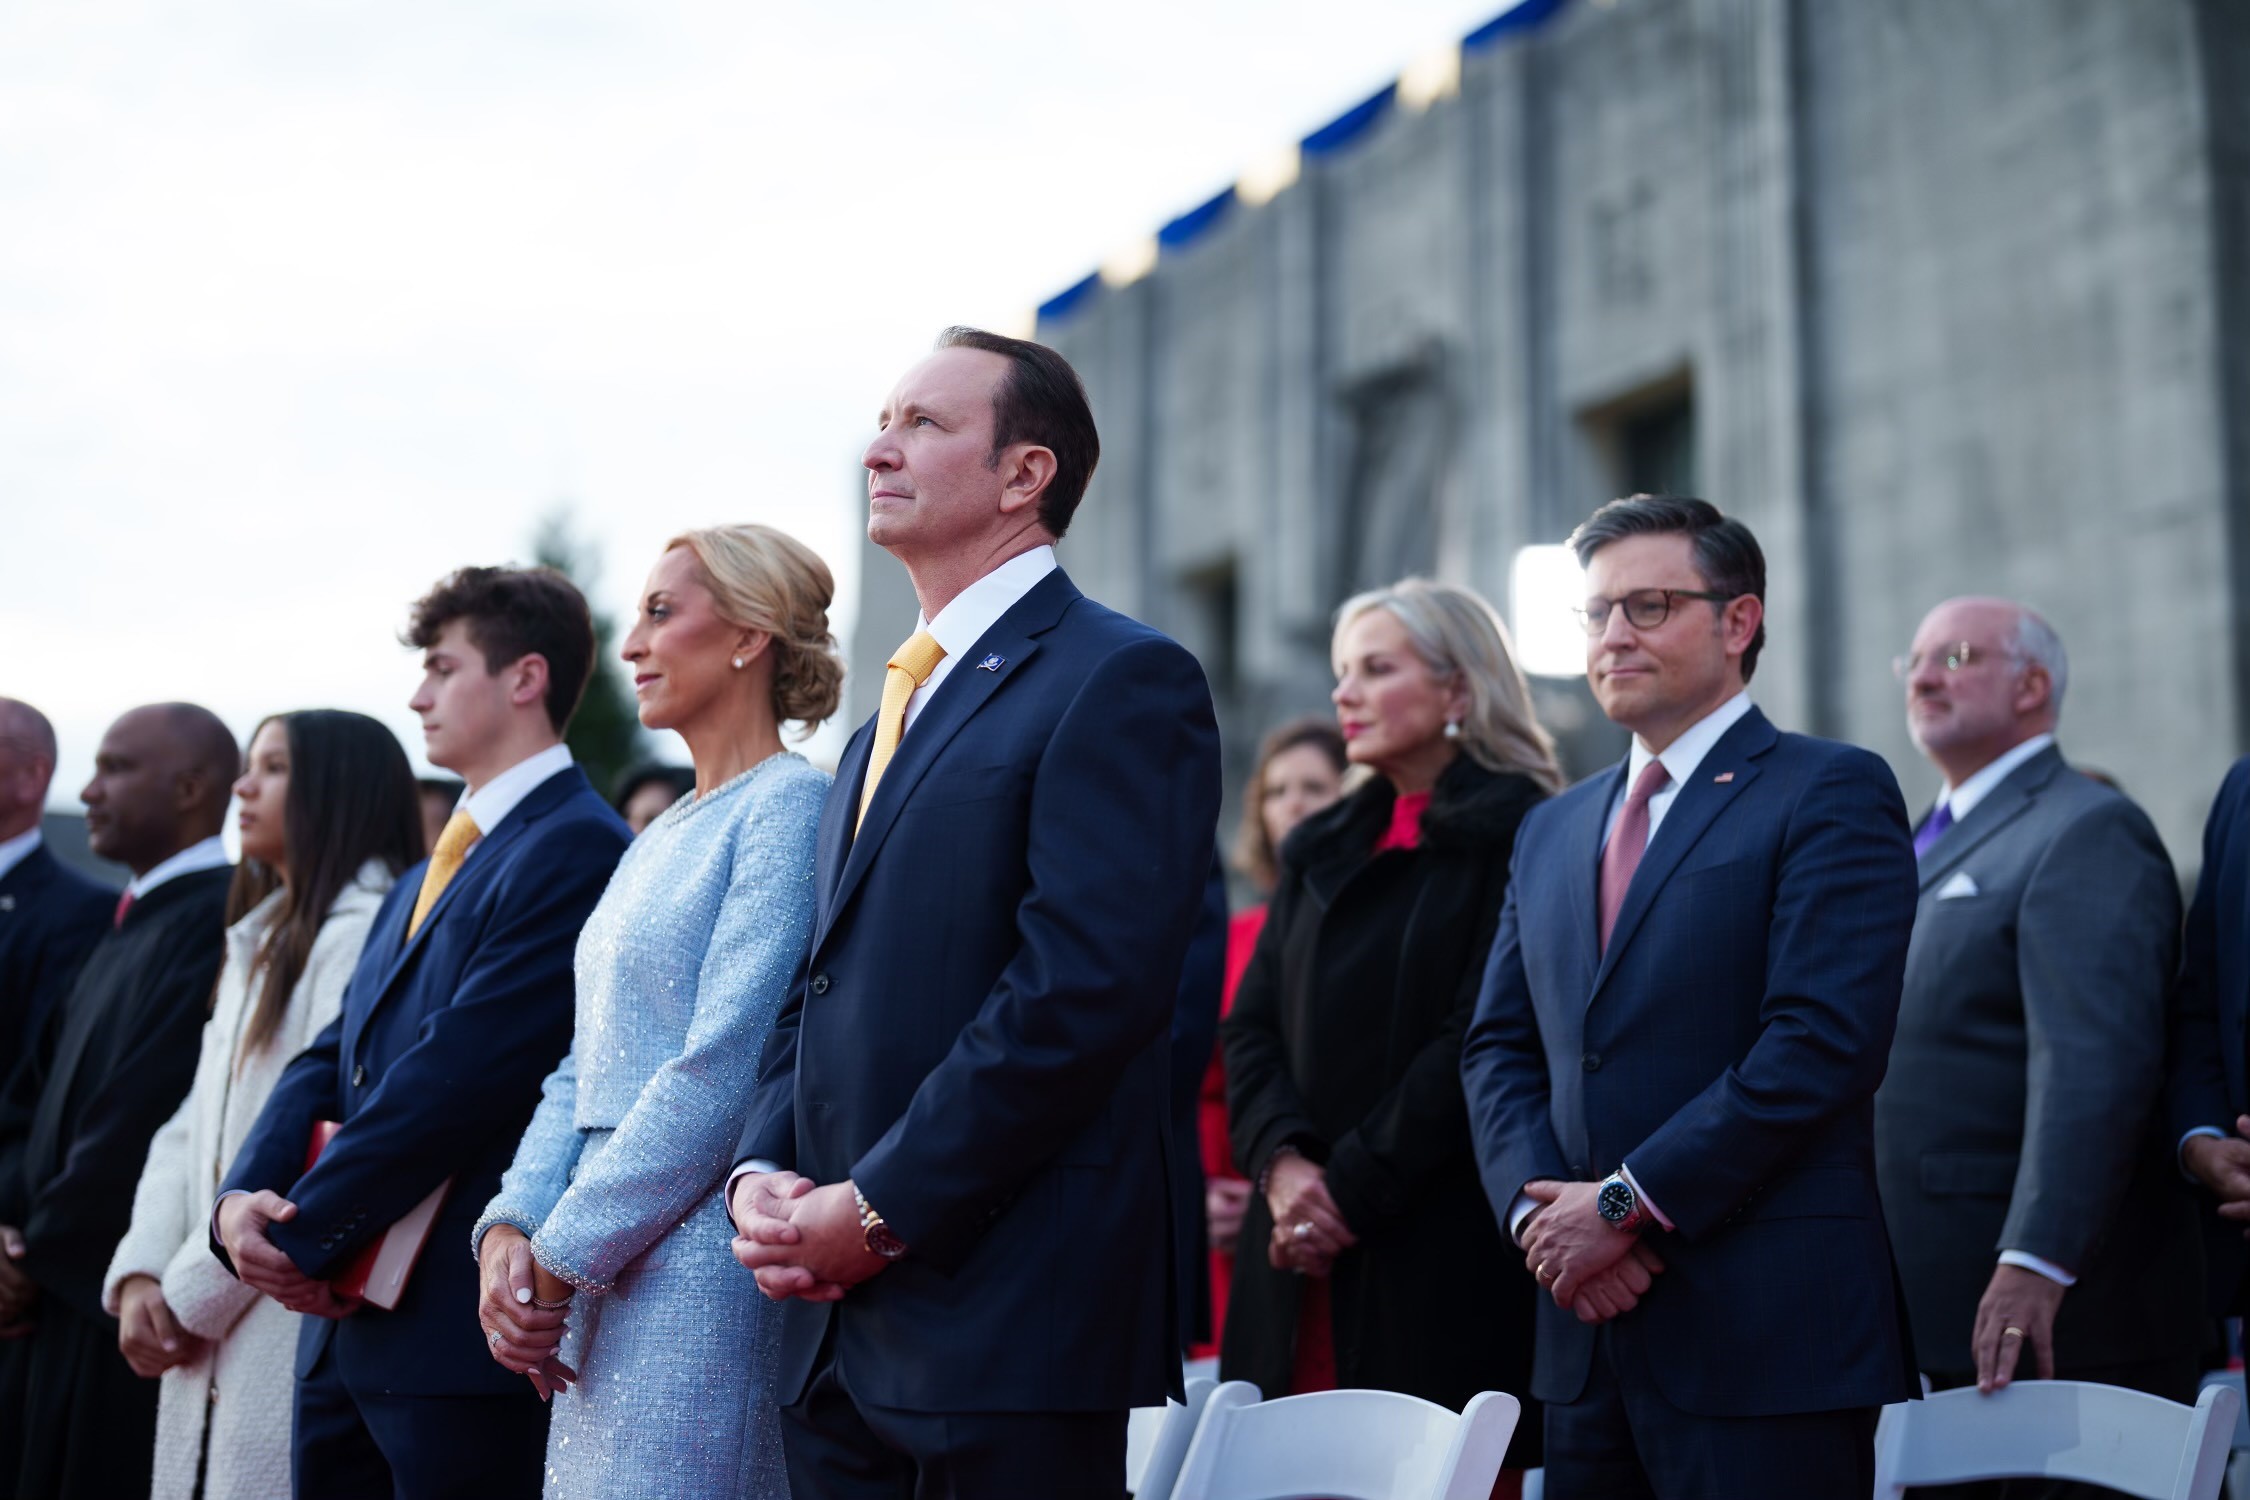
pixel 1303 1230
pixel 492 1337
pixel 2011 1333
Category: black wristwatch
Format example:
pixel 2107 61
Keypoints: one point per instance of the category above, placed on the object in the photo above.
pixel 1620 1205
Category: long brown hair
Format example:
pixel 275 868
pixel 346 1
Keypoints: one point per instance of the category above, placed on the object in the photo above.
pixel 1254 853
pixel 351 798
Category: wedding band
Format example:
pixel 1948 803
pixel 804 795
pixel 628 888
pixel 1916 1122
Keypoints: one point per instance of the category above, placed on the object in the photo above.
pixel 1303 1229
pixel 2011 1333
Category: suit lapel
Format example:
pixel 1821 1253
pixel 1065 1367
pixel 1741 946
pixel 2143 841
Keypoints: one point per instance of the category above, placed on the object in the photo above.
pixel 835 838
pixel 1725 772
pixel 967 688
pixel 2000 807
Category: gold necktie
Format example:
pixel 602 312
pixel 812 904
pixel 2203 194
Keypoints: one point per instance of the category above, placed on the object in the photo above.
pixel 445 860
pixel 910 667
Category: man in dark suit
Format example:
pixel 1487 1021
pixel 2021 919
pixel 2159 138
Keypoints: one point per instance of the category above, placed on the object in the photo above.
pixel 461 1005
pixel 112 1061
pixel 50 915
pixel 1683 1023
pixel 2208 1087
pixel 2041 1225
pixel 956 1159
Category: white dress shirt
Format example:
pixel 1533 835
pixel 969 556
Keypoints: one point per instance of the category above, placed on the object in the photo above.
pixel 1680 758
pixel 975 610
pixel 208 854
pixel 15 851
pixel 491 803
pixel 957 627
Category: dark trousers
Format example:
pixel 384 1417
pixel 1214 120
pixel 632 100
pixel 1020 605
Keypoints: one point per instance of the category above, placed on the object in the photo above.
pixel 88 1423
pixel 359 1445
pixel 840 1449
pixel 1621 1440
pixel 2176 1379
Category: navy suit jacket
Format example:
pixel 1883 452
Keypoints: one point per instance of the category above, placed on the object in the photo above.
pixel 980 1033
pixel 2207 1064
pixel 1727 1046
pixel 50 918
pixel 433 1067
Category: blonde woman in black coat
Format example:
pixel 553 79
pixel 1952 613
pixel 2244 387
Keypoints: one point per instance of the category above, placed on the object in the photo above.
pixel 1369 1257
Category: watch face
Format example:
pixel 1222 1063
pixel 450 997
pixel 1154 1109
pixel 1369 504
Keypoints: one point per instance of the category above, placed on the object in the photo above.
pixel 1615 1202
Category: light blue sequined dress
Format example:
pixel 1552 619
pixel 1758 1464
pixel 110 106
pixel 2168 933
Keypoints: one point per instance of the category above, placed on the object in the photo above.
pixel 619 1179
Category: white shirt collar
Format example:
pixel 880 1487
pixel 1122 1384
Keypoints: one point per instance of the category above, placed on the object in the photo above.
pixel 1963 799
pixel 210 854
pixel 979 607
pixel 15 851
pixel 491 803
pixel 1684 754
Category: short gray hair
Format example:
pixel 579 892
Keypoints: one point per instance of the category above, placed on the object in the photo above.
pixel 2035 641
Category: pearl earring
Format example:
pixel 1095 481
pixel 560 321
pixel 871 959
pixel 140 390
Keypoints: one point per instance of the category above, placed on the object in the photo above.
pixel 738 664
pixel 1453 729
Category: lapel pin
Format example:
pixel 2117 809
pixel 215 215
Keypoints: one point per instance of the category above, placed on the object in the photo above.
pixel 992 664
pixel 1723 778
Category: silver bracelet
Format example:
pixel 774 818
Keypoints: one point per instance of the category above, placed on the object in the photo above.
pixel 549 1306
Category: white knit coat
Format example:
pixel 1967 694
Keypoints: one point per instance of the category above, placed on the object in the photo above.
pixel 244 1381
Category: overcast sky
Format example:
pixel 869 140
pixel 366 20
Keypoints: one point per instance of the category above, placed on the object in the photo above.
pixel 303 304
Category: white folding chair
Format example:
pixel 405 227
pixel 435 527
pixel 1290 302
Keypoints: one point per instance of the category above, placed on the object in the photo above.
pixel 1157 1438
pixel 2059 1429
pixel 1351 1445
pixel 2238 1463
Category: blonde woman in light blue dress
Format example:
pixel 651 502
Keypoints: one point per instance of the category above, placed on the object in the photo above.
pixel 657 1351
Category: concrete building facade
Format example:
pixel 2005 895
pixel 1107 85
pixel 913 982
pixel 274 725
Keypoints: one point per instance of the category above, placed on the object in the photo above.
pixel 1941 296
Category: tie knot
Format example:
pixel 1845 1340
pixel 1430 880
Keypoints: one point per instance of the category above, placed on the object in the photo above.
pixel 460 832
pixel 1653 779
pixel 919 657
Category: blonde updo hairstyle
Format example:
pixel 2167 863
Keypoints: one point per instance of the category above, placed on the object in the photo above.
pixel 1456 633
pixel 763 579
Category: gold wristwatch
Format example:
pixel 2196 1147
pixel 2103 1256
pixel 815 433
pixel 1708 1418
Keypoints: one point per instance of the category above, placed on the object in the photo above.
pixel 873 1232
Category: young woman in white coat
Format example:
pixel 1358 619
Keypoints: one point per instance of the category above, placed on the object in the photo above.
pixel 329 818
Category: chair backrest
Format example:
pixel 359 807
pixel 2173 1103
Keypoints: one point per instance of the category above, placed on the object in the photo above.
pixel 2232 1380
pixel 1350 1445
pixel 2059 1429
pixel 1157 1438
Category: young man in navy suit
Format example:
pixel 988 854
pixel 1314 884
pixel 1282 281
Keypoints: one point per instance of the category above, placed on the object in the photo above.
pixel 955 1162
pixel 1672 1066
pixel 460 1007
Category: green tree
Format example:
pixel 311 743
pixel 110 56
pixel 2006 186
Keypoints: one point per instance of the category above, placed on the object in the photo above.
pixel 606 735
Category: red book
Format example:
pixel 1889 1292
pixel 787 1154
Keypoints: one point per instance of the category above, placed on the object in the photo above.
pixel 378 1273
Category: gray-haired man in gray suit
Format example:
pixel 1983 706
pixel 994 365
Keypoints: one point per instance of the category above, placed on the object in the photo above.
pixel 2040 1227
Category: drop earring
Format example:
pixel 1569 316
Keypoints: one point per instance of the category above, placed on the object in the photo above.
pixel 1453 729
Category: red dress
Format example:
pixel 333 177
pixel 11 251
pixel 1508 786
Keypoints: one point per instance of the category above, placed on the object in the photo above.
pixel 1218 1156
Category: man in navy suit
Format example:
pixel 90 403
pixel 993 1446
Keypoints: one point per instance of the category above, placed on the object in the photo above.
pixel 955 1164
pixel 1672 1067
pixel 50 915
pixel 460 1007
pixel 2208 1091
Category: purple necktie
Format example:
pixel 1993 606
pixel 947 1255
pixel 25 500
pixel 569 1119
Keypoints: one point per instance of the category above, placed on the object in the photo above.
pixel 1934 829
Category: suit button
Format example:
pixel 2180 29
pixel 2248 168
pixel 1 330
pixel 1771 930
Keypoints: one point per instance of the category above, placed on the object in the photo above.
pixel 359 1077
pixel 820 984
pixel 1591 1062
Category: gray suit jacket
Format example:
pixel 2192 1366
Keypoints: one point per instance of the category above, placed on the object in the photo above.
pixel 2020 1110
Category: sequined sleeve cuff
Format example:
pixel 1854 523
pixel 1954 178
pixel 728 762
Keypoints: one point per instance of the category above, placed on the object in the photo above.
pixel 543 1253
pixel 499 1213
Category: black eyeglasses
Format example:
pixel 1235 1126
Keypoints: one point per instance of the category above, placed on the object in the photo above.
pixel 1645 609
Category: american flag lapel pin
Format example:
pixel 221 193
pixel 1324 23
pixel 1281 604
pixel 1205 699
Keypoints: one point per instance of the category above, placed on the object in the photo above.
pixel 992 664
pixel 1723 778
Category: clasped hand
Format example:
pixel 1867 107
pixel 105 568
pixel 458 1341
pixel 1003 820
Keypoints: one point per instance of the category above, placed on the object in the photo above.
pixel 148 1335
pixel 2222 1164
pixel 522 1337
pixel 799 1239
pixel 1589 1266
pixel 263 1266
pixel 1309 1231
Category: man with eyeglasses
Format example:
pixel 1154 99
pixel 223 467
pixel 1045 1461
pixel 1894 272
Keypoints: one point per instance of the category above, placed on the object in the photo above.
pixel 1676 1049
pixel 2041 1228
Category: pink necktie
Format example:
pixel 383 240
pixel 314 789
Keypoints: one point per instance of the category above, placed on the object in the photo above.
pixel 1622 856
pixel 124 905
